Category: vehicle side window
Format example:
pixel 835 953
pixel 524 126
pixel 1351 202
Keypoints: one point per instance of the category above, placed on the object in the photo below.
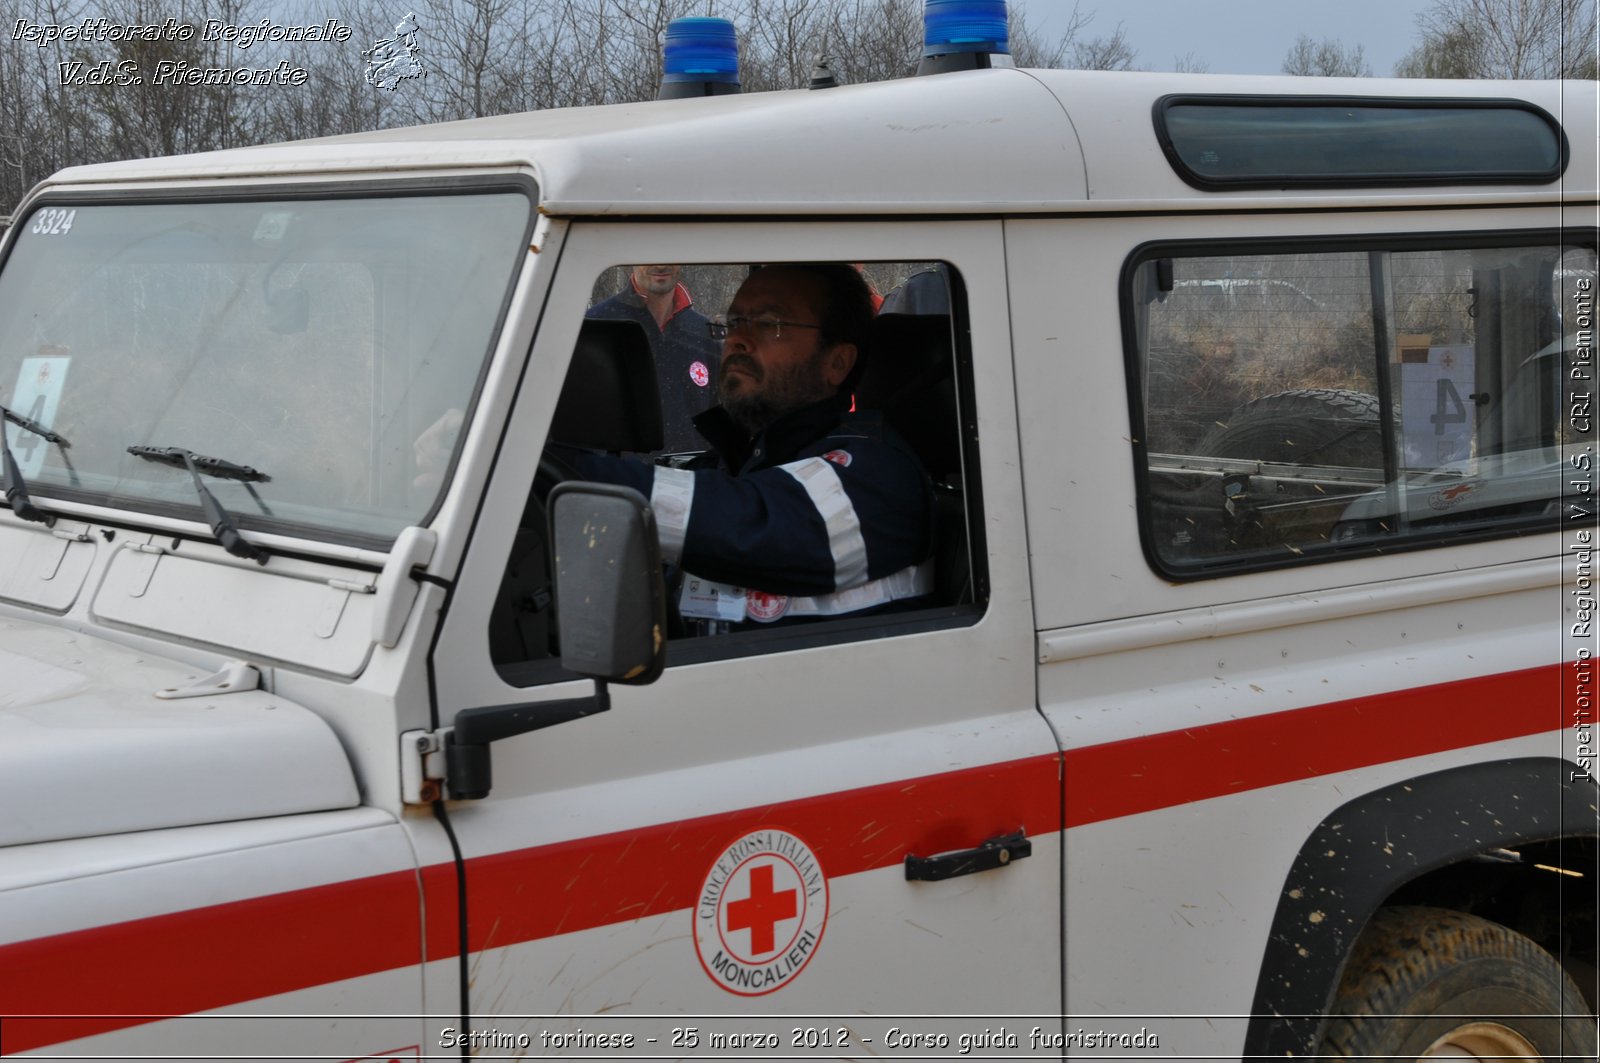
pixel 817 515
pixel 1303 403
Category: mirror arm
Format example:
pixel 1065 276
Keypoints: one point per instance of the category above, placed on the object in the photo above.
pixel 468 770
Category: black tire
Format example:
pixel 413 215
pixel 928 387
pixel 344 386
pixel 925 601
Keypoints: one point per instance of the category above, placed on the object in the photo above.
pixel 1421 981
pixel 1315 426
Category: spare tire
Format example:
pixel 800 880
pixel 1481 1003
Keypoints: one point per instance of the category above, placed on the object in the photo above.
pixel 1314 426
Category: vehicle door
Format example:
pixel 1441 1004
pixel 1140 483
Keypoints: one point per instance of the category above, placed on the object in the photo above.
pixel 732 840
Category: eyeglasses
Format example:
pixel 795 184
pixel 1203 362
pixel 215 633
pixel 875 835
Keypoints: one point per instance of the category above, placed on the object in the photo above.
pixel 767 328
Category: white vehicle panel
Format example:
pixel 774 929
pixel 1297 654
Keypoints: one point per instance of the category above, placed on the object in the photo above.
pixel 306 621
pixel 83 722
pixel 332 916
pixel 50 563
pixel 1125 902
pixel 39 865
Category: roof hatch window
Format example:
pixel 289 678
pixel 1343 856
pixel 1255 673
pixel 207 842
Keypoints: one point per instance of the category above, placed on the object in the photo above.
pixel 1228 142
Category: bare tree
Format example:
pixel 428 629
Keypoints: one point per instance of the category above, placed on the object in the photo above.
pixel 781 42
pixel 865 40
pixel 482 57
pixel 1504 39
pixel 336 97
pixel 1104 53
pixel 1031 48
pixel 157 112
pixel 40 128
pixel 1111 52
pixel 874 40
pixel 1327 58
pixel 1452 53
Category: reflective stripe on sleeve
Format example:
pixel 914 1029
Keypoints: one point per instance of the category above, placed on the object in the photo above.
pixel 672 497
pixel 849 549
pixel 910 582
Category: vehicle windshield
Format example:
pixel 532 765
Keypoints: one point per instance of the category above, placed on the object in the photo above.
pixel 310 339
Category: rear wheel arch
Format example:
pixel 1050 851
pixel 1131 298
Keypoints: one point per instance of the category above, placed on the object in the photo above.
pixel 1368 851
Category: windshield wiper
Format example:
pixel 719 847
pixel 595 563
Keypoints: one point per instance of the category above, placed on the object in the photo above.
pixel 222 525
pixel 16 486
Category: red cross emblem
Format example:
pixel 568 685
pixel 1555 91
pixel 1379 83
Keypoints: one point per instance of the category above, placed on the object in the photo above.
pixel 761 913
pixel 1447 360
pixel 759 605
pixel 763 910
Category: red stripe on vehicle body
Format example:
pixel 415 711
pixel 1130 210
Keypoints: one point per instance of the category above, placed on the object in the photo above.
pixel 205 958
pixel 1178 767
pixel 213 957
pixel 180 963
pixel 532 893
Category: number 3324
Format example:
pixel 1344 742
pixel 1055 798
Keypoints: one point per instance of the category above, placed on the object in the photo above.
pixel 53 222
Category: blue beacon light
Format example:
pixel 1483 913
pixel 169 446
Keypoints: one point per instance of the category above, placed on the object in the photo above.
pixel 964 35
pixel 700 57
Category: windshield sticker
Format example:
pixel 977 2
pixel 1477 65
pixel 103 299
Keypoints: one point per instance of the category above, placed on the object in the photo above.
pixel 1435 384
pixel 37 394
pixel 761 913
pixel 53 222
pixel 1451 495
pixel 272 226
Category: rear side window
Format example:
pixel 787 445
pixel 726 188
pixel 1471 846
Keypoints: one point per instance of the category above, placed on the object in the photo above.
pixel 1306 403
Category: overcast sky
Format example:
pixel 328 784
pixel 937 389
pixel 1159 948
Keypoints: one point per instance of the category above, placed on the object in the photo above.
pixel 1243 36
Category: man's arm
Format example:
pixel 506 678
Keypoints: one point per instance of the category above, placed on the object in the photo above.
pixel 810 527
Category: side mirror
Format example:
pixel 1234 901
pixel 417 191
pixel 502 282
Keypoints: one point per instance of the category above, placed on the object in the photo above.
pixel 611 603
pixel 611 613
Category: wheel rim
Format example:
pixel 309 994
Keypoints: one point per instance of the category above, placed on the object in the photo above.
pixel 1481 1040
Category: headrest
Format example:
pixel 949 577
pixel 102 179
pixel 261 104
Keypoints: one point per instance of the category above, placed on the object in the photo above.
pixel 610 400
pixel 910 379
pixel 908 350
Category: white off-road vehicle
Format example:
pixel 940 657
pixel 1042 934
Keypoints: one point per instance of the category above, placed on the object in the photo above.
pixel 335 725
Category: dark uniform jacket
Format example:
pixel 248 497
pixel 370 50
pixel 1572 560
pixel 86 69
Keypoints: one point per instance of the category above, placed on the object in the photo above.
pixel 686 360
pixel 825 513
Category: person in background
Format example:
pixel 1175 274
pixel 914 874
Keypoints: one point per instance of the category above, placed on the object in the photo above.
pixel 927 292
pixel 685 354
pixel 877 299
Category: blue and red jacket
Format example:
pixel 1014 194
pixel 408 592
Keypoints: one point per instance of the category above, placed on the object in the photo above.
pixel 686 360
pixel 824 513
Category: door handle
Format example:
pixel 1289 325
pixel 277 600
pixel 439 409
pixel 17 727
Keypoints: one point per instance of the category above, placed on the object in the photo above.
pixel 996 852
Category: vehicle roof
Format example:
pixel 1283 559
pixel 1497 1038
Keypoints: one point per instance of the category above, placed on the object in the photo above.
pixel 983 141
